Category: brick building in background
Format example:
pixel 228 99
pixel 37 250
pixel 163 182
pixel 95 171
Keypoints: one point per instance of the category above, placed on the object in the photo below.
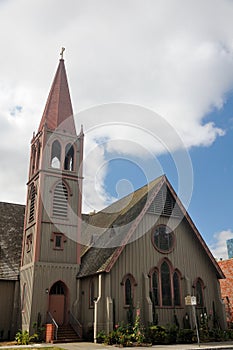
pixel 226 287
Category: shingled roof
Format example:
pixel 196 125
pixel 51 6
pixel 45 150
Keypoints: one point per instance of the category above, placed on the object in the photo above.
pixel 11 234
pixel 107 232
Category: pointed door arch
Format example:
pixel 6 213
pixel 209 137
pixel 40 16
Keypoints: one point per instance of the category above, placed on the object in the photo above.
pixel 58 302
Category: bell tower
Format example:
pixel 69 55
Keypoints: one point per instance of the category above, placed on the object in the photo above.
pixel 51 245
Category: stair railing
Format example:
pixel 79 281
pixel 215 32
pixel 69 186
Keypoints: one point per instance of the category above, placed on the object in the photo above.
pixel 52 320
pixel 76 325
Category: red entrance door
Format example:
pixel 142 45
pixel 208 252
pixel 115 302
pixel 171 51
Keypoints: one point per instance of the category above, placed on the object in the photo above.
pixel 57 307
pixel 57 302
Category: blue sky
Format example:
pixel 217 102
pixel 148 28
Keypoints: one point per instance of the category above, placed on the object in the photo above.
pixel 172 58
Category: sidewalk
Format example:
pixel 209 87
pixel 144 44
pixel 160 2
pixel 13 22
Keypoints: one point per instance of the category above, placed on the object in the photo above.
pixel 92 346
pixel 206 346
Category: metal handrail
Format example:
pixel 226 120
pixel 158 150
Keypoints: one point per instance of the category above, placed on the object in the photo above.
pixel 75 324
pixel 54 323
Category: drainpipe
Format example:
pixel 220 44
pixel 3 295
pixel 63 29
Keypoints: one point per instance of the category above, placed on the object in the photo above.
pixel 96 309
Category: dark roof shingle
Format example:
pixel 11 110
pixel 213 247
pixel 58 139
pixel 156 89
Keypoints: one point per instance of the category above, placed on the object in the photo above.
pixel 11 234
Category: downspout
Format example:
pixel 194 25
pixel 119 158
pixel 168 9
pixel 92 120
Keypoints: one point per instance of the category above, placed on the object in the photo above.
pixel 96 309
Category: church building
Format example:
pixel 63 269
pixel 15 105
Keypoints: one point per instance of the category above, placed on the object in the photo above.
pixel 87 271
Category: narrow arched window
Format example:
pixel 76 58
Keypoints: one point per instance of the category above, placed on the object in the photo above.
pixel 199 292
pixel 56 155
pixel 155 288
pixel 33 159
pixel 176 288
pixel 166 284
pixel 69 158
pixel 60 200
pixel 128 292
pixel 38 156
pixel 91 294
pixel 32 197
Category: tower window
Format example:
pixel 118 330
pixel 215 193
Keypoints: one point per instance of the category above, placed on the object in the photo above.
pixel 56 155
pixel 69 158
pixel 60 200
pixel 58 240
pixel 29 243
pixel 38 156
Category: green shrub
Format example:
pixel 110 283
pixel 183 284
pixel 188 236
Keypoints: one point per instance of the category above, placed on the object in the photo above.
pixel 157 334
pixel 23 337
pixel 100 338
pixel 185 336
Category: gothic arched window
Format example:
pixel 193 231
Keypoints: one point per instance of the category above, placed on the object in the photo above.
pixel 128 283
pixel 57 288
pixel 91 294
pixel 56 155
pixel 128 292
pixel 199 287
pixel 155 288
pixel 69 157
pixel 176 288
pixel 166 284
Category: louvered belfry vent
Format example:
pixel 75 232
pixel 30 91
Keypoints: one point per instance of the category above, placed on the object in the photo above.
pixel 32 203
pixel 60 200
pixel 165 204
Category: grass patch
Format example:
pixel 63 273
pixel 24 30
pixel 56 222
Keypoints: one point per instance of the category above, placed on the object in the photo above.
pixel 31 347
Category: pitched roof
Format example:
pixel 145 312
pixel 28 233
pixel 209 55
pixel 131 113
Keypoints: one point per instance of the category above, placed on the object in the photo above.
pixel 112 228
pixel 109 228
pixel 11 234
pixel 58 113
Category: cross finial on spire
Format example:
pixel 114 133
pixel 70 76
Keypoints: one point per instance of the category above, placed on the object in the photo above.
pixel 61 54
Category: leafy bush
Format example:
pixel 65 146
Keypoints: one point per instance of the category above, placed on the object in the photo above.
pixel 157 334
pixel 23 337
pixel 100 338
pixel 185 336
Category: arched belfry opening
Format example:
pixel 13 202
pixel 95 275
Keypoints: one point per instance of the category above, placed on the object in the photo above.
pixel 69 158
pixel 58 302
pixel 56 155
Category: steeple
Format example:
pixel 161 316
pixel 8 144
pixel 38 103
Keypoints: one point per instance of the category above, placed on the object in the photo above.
pixel 58 113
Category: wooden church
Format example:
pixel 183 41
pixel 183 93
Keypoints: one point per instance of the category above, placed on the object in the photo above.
pixel 61 267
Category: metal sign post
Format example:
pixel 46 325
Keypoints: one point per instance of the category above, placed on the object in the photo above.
pixel 192 301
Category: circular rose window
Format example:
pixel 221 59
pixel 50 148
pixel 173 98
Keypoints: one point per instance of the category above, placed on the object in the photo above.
pixel 163 238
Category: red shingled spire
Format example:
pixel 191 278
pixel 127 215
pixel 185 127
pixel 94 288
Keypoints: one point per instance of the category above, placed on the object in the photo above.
pixel 58 113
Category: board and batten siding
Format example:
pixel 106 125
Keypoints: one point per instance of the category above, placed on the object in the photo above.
pixel 46 275
pixel 9 306
pixel 188 256
pixel 68 227
pixel 86 316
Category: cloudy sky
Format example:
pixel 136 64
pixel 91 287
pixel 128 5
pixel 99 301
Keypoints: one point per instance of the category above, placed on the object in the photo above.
pixel 151 82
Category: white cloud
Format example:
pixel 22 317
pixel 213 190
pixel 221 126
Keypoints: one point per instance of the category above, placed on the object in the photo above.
pixel 174 57
pixel 219 247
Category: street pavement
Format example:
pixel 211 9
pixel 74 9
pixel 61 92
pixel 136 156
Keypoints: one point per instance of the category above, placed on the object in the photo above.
pixel 206 346
pixel 92 346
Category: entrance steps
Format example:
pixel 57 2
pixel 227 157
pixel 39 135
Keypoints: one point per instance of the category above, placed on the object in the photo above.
pixel 67 334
